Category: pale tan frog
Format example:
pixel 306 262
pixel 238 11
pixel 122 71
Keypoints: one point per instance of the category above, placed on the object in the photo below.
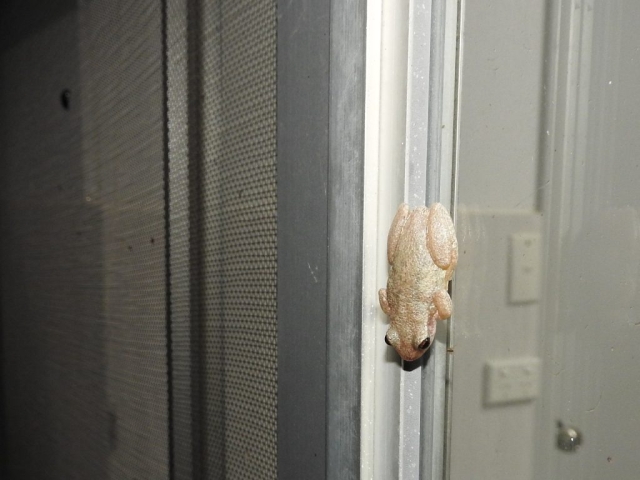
pixel 423 251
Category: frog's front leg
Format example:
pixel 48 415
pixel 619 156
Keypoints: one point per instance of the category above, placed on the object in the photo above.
pixel 442 302
pixel 384 303
pixel 396 229
pixel 441 239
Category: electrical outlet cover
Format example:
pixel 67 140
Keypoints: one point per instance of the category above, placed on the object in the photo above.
pixel 512 380
pixel 526 266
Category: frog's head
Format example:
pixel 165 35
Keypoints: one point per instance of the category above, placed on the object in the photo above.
pixel 411 345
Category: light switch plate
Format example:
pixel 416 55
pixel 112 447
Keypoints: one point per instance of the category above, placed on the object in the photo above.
pixel 512 380
pixel 525 268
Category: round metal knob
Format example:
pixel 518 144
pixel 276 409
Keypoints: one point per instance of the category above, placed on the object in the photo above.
pixel 568 438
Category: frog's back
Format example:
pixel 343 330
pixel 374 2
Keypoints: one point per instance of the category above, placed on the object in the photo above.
pixel 413 273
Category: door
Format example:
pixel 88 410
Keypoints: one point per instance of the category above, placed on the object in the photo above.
pixel 546 332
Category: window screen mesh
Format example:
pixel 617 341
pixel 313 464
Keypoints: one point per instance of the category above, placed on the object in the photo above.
pixel 239 232
pixel 83 258
pixel 83 264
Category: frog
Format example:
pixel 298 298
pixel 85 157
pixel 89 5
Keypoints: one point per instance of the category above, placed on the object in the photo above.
pixel 422 251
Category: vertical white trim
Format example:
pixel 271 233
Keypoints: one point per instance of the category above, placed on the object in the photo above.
pixel 416 409
pixel 385 117
pixel 396 415
pixel 370 226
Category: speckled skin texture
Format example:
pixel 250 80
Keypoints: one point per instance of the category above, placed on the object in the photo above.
pixel 422 250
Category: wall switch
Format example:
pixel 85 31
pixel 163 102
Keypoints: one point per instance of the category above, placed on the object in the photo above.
pixel 512 380
pixel 525 268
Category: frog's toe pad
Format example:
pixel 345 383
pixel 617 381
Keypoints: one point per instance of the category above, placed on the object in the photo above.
pixel 384 303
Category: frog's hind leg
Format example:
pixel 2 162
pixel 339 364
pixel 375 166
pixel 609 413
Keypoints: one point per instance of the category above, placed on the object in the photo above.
pixel 443 304
pixel 398 224
pixel 441 239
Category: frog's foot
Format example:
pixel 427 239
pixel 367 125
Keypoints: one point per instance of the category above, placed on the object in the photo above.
pixel 384 303
pixel 396 229
pixel 441 239
pixel 443 304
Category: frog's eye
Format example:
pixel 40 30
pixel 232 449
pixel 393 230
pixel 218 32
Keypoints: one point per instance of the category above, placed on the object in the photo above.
pixel 424 344
pixel 386 340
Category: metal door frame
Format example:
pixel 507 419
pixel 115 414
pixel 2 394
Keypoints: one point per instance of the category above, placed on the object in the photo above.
pixel 355 138
pixel 337 187
pixel 320 111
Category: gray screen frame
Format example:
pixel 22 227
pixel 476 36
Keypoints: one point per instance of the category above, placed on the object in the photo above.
pixel 321 68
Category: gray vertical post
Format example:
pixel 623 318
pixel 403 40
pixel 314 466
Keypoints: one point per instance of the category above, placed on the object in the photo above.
pixel 302 156
pixel 434 373
pixel 346 180
pixel 320 179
